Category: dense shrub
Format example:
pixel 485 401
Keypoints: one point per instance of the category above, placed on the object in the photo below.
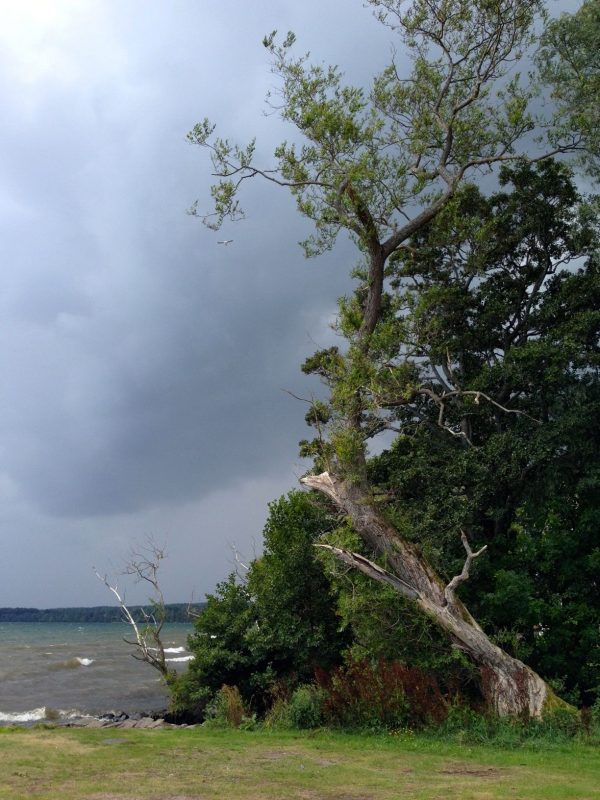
pixel 380 694
pixel 306 707
pixel 271 629
pixel 227 707
pixel 465 725
pixel 594 717
pixel 221 651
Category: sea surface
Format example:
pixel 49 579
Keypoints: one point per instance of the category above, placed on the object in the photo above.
pixel 60 670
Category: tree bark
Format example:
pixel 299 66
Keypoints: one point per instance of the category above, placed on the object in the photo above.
pixel 510 687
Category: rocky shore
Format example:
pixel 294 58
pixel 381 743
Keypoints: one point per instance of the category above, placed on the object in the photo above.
pixel 120 719
pixel 123 720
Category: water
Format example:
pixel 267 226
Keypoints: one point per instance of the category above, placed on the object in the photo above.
pixel 63 669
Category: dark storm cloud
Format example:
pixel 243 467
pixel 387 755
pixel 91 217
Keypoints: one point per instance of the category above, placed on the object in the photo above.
pixel 142 363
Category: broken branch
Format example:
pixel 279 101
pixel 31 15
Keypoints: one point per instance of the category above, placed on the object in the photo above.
pixel 372 570
pixel 449 591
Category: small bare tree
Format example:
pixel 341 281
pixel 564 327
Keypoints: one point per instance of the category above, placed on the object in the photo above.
pixel 143 566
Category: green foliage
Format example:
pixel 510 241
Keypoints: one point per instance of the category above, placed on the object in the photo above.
pixel 297 626
pixel 595 717
pixel 173 612
pixel 472 332
pixel 568 61
pixel 466 726
pixel 381 624
pixel 221 652
pixel 500 305
pixel 365 158
pixel 227 707
pixel 276 627
pixel 490 382
pixel 305 708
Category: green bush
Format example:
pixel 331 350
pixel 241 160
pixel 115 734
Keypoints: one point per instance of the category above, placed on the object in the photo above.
pixel 595 717
pixel 560 724
pixel 465 725
pixel 271 629
pixel 278 715
pixel 305 708
pixel 228 708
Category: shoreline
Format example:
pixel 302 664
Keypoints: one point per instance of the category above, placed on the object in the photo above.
pixel 120 719
pixel 59 672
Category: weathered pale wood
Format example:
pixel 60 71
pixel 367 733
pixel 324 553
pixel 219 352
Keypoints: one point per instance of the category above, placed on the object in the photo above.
pixel 510 687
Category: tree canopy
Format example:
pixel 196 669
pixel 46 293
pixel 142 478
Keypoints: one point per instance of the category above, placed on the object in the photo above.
pixel 274 626
pixel 568 62
pixel 472 334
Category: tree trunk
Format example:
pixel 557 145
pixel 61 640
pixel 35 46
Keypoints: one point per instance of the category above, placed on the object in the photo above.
pixel 510 687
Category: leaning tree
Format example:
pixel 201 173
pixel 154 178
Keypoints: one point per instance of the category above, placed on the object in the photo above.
pixel 381 165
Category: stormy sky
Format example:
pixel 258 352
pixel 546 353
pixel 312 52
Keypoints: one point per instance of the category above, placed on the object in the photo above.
pixel 142 364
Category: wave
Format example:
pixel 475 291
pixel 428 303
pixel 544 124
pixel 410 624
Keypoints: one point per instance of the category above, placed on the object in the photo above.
pixel 43 713
pixel 73 663
pixel 180 658
pixel 23 716
pixel 174 649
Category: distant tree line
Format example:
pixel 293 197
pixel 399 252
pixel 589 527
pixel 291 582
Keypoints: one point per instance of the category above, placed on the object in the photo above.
pixel 175 612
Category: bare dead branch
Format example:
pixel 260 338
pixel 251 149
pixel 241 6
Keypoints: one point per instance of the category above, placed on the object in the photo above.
pixel 144 567
pixel 297 397
pixel 449 591
pixel 240 567
pixel 124 609
pixel 372 570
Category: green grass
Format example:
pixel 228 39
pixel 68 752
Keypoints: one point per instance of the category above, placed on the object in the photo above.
pixel 202 764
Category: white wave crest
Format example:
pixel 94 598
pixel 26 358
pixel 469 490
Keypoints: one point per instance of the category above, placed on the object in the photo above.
pixel 74 713
pixel 37 714
pixel 174 649
pixel 180 658
pixel 23 716
pixel 72 663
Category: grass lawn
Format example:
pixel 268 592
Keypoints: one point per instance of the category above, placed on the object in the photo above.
pixel 202 764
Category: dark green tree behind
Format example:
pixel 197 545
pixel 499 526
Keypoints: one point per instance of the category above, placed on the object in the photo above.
pixel 509 286
pixel 276 626
pixel 220 649
pixel 382 166
pixel 487 370
pixel 298 627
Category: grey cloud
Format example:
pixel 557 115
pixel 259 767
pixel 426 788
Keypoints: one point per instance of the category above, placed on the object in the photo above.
pixel 142 364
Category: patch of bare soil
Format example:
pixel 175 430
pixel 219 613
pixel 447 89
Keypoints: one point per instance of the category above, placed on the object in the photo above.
pixel 276 755
pixel 324 762
pixel 309 794
pixel 43 740
pixel 475 772
pixel 104 796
